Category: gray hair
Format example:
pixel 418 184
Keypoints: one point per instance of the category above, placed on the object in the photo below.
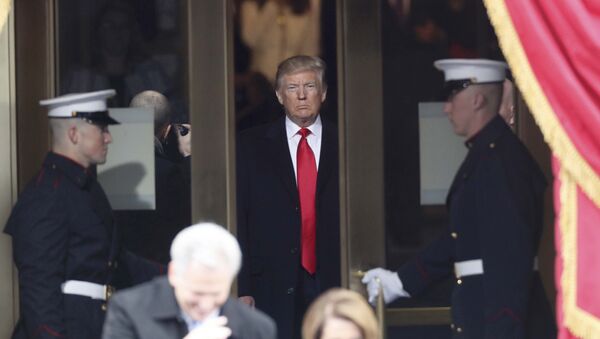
pixel 206 244
pixel 159 105
pixel 301 63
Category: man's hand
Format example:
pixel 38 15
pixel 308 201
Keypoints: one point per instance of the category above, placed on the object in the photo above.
pixel 389 281
pixel 211 329
pixel 185 140
pixel 248 300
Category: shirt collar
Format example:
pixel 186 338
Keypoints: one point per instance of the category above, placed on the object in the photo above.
pixel 292 129
pixel 191 323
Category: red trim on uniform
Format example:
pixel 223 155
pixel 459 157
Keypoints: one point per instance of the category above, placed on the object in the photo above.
pixel 71 160
pixel 48 330
pixel 56 182
pixel 40 177
pixel 161 269
pixel 502 312
pixel 422 270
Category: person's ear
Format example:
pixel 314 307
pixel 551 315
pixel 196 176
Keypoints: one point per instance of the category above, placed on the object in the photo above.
pixel 279 97
pixel 479 101
pixel 73 134
pixel 323 95
pixel 171 274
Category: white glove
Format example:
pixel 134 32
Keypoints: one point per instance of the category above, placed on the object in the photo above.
pixel 390 283
pixel 213 328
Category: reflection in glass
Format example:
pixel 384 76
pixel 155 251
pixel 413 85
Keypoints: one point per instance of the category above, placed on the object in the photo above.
pixel 414 34
pixel 133 46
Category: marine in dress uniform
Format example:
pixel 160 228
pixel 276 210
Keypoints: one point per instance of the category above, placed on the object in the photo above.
pixel 495 220
pixel 65 243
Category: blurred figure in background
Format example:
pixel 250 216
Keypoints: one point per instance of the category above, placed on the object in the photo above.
pixel 275 30
pixel 150 232
pixel 507 105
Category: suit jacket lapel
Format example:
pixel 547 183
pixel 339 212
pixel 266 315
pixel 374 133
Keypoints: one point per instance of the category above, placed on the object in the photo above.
pixel 280 151
pixel 166 309
pixel 233 319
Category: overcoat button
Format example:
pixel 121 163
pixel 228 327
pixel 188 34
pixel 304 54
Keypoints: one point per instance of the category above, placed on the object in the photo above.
pixel 454 235
pixel 290 290
pixel 103 307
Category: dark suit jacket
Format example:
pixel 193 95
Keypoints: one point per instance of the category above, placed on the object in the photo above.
pixel 150 311
pixel 269 221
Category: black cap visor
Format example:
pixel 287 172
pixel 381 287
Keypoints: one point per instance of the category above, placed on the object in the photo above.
pixel 452 87
pixel 97 118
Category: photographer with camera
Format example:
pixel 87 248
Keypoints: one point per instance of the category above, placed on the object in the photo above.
pixel 149 233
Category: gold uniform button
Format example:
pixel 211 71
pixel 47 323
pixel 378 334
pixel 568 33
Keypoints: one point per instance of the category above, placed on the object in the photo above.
pixel 492 145
pixel 454 235
pixel 459 281
pixel 103 307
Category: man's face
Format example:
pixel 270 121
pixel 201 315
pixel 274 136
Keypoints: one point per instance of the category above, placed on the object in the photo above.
pixel 301 94
pixel 200 290
pixel 460 110
pixel 92 143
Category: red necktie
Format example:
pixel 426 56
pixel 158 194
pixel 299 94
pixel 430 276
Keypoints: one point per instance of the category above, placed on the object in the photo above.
pixel 307 188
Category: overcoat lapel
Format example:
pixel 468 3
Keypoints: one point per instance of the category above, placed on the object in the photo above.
pixel 280 157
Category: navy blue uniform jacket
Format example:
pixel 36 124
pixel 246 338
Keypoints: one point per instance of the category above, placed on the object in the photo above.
pixel 132 315
pixel 495 206
pixel 269 220
pixel 62 229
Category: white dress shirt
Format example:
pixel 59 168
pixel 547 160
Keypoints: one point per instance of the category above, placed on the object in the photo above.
pixel 313 139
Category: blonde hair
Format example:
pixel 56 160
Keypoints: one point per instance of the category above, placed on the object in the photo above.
pixel 342 304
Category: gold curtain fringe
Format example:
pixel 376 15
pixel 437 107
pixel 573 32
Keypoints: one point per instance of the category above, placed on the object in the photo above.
pixel 575 171
pixel 536 100
pixel 578 321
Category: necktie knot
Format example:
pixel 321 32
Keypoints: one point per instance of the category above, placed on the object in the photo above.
pixel 304 132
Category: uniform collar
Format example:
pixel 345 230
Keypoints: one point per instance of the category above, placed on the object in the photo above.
pixel 69 168
pixel 488 135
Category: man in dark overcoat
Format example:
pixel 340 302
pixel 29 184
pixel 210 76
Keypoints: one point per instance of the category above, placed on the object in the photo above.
pixel 65 243
pixel 288 200
pixel 495 220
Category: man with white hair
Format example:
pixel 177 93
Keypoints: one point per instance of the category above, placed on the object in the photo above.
pixel 193 301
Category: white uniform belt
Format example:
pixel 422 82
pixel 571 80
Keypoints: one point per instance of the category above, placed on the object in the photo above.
pixel 468 267
pixel 475 267
pixel 87 289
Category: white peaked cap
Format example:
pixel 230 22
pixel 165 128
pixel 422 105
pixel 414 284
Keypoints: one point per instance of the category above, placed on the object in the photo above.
pixel 69 105
pixel 476 70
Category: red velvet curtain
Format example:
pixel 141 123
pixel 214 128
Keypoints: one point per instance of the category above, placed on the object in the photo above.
pixel 553 48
